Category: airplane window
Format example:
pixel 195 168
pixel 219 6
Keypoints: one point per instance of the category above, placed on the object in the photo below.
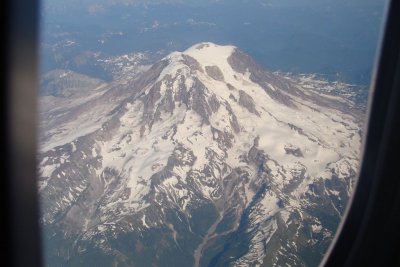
pixel 200 133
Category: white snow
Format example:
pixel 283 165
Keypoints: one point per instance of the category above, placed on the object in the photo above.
pixel 328 139
pixel 269 203
pixel 94 153
pixel 144 221
pixel 316 228
pixel 47 170
pixel 209 54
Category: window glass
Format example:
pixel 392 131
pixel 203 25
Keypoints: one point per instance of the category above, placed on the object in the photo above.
pixel 200 133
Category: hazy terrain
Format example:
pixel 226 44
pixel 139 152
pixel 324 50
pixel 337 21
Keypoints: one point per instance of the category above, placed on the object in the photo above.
pixel 335 38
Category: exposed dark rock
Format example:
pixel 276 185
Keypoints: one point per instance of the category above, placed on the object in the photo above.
pixel 232 118
pixel 192 63
pixel 230 87
pixel 247 102
pixel 233 97
pixel 214 103
pixel 202 45
pixel 149 76
pixel 224 139
pixel 241 63
pixel 215 73
pixel 292 150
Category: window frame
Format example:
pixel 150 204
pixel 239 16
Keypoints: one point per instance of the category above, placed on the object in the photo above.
pixel 369 232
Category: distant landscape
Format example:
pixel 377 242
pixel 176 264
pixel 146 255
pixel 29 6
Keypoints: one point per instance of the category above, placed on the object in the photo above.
pixel 334 38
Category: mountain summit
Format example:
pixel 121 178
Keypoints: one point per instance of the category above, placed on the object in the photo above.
pixel 204 159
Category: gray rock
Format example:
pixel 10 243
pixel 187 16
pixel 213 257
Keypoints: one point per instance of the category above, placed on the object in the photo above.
pixel 247 102
pixel 215 73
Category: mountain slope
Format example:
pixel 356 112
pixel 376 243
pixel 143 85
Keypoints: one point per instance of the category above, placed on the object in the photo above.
pixel 205 159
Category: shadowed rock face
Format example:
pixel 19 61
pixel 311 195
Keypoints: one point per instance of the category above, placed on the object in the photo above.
pixel 150 75
pixel 202 45
pixel 215 73
pixel 192 63
pixel 292 150
pixel 243 63
pixel 247 102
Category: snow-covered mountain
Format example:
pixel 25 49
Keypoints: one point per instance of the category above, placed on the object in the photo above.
pixel 204 159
